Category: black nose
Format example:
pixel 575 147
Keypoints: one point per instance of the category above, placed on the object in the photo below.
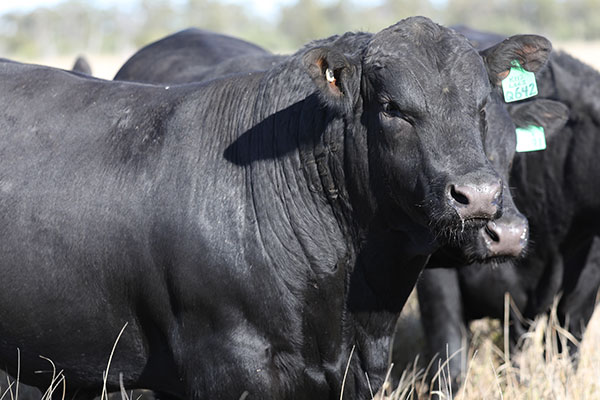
pixel 506 236
pixel 475 200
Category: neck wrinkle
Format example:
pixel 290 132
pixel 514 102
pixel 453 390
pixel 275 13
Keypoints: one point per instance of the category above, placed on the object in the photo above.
pixel 288 158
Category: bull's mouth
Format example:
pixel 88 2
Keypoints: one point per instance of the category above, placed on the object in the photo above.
pixel 458 232
pixel 446 222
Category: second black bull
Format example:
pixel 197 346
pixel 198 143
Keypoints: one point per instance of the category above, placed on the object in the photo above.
pixel 557 190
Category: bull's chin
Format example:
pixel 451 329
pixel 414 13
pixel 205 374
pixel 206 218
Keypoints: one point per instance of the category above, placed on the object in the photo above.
pixel 482 257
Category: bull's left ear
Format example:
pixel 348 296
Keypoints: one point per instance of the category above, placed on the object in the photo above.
pixel 550 114
pixel 334 75
pixel 531 51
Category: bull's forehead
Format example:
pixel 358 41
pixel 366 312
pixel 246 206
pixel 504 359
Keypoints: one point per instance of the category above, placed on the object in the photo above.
pixel 422 37
pixel 426 61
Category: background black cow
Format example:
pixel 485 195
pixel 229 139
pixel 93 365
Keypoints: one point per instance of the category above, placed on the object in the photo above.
pixel 555 189
pixel 195 55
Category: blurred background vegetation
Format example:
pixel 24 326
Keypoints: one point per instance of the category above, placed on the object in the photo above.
pixel 77 26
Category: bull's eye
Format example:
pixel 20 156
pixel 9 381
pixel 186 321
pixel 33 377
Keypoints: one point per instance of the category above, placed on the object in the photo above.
pixel 392 110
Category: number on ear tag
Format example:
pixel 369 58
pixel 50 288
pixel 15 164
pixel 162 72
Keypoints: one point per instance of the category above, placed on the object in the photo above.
pixel 530 138
pixel 519 84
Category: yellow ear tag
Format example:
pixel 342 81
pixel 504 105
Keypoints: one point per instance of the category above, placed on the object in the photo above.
pixel 329 75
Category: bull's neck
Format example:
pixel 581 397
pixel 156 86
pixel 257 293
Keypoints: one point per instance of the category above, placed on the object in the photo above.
pixel 578 86
pixel 305 158
pixel 299 178
pixel 294 159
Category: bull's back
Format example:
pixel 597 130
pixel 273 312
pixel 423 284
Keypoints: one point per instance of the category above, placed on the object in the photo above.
pixel 81 163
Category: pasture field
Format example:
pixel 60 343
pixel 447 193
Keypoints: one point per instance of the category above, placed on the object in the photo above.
pixel 539 372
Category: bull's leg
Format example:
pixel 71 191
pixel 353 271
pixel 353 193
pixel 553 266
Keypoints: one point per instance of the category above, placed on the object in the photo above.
pixel 444 325
pixel 581 287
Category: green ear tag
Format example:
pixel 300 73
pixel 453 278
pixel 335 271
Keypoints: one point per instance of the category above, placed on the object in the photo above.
pixel 519 84
pixel 530 138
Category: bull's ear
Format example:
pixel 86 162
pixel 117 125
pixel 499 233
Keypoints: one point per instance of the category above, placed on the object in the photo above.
pixel 550 114
pixel 333 73
pixel 531 51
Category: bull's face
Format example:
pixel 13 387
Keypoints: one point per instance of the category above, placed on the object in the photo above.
pixel 425 118
pixel 422 101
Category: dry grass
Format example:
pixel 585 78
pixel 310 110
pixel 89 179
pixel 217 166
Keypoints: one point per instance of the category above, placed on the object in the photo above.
pixel 539 372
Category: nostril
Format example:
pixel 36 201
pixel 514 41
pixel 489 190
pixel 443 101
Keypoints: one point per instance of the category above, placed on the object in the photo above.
pixel 458 196
pixel 474 201
pixel 492 233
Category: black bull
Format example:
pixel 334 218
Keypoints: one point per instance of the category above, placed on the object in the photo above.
pixel 196 55
pixel 252 231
